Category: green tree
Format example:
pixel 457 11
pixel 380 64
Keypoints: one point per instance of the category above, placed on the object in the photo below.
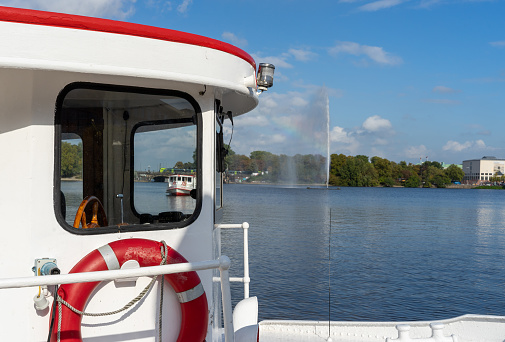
pixel 433 175
pixel 357 171
pixel 338 161
pixel 71 159
pixel 413 181
pixel 262 159
pixel 441 180
pixel 238 162
pixel 454 173
pixel 384 170
pixel 189 165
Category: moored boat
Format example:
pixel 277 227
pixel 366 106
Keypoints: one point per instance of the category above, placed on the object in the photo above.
pixel 180 185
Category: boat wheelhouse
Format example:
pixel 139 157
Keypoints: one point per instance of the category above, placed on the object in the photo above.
pixel 86 105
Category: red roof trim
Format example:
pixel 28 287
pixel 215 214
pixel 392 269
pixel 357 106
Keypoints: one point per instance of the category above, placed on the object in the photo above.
pixel 78 22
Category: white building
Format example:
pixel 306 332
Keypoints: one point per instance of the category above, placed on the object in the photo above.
pixel 478 170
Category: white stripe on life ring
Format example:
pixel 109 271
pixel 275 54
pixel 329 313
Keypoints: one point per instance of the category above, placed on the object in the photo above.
pixel 191 294
pixel 110 257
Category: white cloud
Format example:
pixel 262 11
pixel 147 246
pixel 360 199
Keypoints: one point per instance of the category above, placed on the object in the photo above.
pixel 458 147
pixel 253 120
pixel 278 61
pixel 183 7
pixel 500 43
pixel 277 138
pixel 416 151
pixel 231 37
pixel 442 101
pixel 159 5
pixel 376 123
pixel 375 53
pixel 480 143
pixel 381 4
pixel 338 134
pixel 343 142
pixel 288 104
pixel 302 55
pixel 299 102
pixel 444 90
pixel 281 61
pixel 332 92
pixel 118 9
pixel 380 141
pixel 428 3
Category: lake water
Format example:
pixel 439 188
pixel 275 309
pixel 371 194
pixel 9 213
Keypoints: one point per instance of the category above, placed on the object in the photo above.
pixel 396 253
pixel 393 253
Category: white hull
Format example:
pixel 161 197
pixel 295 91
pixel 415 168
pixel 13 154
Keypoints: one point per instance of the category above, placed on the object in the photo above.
pixel 178 192
pixel 467 328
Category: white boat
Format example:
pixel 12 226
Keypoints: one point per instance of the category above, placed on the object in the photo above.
pixel 106 94
pixel 180 185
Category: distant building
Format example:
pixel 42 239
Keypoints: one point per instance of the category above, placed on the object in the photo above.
pixel 479 170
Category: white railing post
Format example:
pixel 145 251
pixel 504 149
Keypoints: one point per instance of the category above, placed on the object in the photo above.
pixel 224 265
pixel 246 278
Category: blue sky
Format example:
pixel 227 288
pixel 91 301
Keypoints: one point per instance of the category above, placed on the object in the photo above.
pixel 405 79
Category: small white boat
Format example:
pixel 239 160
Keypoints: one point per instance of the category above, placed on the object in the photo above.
pixel 180 185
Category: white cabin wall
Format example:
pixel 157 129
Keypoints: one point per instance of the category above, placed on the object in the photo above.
pixel 30 228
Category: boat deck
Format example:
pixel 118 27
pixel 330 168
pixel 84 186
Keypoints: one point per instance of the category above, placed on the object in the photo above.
pixel 467 328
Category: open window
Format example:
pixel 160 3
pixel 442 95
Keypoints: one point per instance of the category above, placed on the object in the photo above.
pixel 117 149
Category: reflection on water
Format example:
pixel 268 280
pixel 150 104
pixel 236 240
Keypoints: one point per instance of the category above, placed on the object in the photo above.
pixel 396 254
pixel 151 198
pixel 72 191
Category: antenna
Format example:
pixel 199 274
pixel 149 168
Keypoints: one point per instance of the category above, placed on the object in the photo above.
pixel 329 283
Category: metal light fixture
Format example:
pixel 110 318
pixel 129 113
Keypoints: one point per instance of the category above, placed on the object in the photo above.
pixel 265 78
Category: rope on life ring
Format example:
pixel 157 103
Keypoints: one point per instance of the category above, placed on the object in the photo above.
pixel 187 285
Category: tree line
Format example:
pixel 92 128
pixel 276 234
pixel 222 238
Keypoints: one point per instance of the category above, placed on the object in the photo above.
pixel 344 170
pixel 281 168
pixel 360 171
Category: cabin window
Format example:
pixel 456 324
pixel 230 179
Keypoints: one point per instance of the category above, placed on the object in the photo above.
pixel 118 149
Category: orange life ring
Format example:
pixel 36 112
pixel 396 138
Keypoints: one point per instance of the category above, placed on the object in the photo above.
pixel 188 287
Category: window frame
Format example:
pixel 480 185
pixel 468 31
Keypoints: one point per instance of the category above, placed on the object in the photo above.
pixel 57 200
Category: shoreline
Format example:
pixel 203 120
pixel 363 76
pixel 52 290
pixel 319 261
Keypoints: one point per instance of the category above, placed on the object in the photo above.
pixel 320 186
pixel 316 186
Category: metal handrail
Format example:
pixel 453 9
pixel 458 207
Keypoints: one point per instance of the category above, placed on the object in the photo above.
pixel 245 279
pixel 223 264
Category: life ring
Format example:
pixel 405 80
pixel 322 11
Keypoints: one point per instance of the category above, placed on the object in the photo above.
pixel 188 287
pixel 184 183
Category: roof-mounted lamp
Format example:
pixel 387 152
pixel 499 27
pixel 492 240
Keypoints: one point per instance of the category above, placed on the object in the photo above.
pixel 265 78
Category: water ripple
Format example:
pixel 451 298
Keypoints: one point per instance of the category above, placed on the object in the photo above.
pixel 396 254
